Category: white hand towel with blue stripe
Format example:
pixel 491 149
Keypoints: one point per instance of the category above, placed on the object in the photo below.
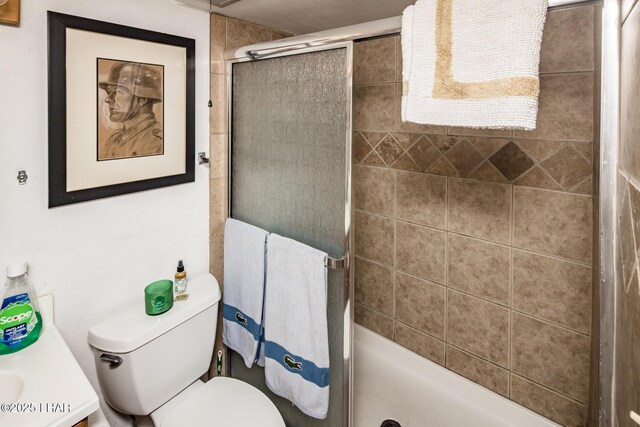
pixel 244 275
pixel 295 318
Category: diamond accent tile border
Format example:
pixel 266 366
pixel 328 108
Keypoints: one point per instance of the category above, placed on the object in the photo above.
pixel 511 161
pixel 551 165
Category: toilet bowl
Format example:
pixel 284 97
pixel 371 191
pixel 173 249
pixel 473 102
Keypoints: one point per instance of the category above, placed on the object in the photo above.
pixel 222 401
pixel 151 365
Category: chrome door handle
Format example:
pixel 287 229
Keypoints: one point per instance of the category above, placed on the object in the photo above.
pixel 113 360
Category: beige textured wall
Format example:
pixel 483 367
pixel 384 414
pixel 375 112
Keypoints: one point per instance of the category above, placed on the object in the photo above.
pixel 627 366
pixel 226 33
pixel 474 247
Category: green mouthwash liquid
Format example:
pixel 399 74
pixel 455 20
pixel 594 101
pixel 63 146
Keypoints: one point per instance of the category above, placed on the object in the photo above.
pixel 20 320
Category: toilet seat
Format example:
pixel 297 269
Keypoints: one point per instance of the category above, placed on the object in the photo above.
pixel 225 402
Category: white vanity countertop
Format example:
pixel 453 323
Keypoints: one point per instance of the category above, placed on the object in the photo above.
pixel 51 387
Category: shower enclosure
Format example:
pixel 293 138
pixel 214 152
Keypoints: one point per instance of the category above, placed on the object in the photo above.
pixel 290 131
pixel 289 173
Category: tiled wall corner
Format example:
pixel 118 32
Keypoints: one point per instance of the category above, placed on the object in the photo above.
pixel 226 33
pixel 473 247
pixel 556 156
pixel 627 305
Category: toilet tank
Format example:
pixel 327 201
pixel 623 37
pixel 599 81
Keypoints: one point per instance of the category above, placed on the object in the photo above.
pixel 143 361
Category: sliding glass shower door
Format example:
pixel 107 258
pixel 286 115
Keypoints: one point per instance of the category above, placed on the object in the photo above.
pixel 290 158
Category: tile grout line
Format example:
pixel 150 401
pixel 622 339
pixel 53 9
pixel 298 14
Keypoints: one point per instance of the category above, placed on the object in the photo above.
pixel 467 294
pixel 510 385
pixel 446 258
pixel 564 73
pixel 395 249
pixel 510 337
pixel 399 82
pixel 485 360
pixel 510 340
pixel 395 59
pixel 521 313
pixel 550 323
pixel 467 352
pixel 428 334
pixel 549 190
pixel 581 154
pixel 466 236
pixel 550 389
pixel 508 138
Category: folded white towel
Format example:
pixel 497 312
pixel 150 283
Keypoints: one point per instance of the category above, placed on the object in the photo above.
pixel 244 276
pixel 295 316
pixel 472 63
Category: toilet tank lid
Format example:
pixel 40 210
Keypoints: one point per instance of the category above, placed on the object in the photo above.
pixel 133 328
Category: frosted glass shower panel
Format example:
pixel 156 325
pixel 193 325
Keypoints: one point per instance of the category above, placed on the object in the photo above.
pixel 288 175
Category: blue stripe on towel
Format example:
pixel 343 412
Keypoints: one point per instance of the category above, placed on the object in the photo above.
pixel 297 365
pixel 233 314
pixel 260 345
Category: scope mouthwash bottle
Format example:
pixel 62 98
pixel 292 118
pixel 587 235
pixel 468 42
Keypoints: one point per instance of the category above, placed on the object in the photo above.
pixel 20 320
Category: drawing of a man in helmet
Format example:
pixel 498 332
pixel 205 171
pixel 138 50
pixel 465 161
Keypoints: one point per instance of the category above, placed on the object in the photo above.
pixel 132 90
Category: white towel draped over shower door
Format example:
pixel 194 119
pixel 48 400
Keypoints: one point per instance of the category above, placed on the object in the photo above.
pixel 296 332
pixel 472 63
pixel 243 300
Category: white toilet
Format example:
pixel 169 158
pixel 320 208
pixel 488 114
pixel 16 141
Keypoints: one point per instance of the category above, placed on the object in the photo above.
pixel 151 365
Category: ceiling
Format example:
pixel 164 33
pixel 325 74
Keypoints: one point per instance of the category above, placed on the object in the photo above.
pixel 306 16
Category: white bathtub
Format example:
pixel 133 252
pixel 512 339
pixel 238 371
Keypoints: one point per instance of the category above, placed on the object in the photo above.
pixel 391 382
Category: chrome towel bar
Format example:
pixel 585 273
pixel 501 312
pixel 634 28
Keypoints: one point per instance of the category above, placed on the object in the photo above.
pixel 334 263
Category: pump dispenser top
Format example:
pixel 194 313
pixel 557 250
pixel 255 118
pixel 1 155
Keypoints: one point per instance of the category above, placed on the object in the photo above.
pixel 180 284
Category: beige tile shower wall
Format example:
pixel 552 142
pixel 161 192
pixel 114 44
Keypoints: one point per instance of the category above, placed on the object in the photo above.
pixel 473 247
pixel 627 352
pixel 226 33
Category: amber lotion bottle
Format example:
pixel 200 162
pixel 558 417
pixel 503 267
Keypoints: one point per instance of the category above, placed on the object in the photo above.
pixel 180 284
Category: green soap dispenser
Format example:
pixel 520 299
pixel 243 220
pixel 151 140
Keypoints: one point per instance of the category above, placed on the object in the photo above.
pixel 20 319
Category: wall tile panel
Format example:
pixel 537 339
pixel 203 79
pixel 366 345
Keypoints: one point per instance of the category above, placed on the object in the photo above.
pixel 552 289
pixel 479 268
pixel 420 304
pixel 627 292
pixel 421 251
pixel 422 199
pixel 568 41
pixel 374 286
pixel 552 405
pixel 422 344
pixel 553 223
pixel 241 33
pixel 479 327
pixel 374 61
pixel 565 109
pixel 630 86
pixel 510 233
pixel 373 320
pixel 480 209
pixel 373 190
pixel 552 356
pixel 373 107
pixel 478 370
pixel 374 238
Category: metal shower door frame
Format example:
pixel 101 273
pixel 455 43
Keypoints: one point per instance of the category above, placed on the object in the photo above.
pixel 348 301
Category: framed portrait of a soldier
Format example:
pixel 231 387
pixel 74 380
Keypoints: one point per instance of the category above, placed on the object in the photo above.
pixel 10 12
pixel 121 109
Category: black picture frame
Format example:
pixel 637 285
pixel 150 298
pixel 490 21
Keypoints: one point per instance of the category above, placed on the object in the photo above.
pixel 58 24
